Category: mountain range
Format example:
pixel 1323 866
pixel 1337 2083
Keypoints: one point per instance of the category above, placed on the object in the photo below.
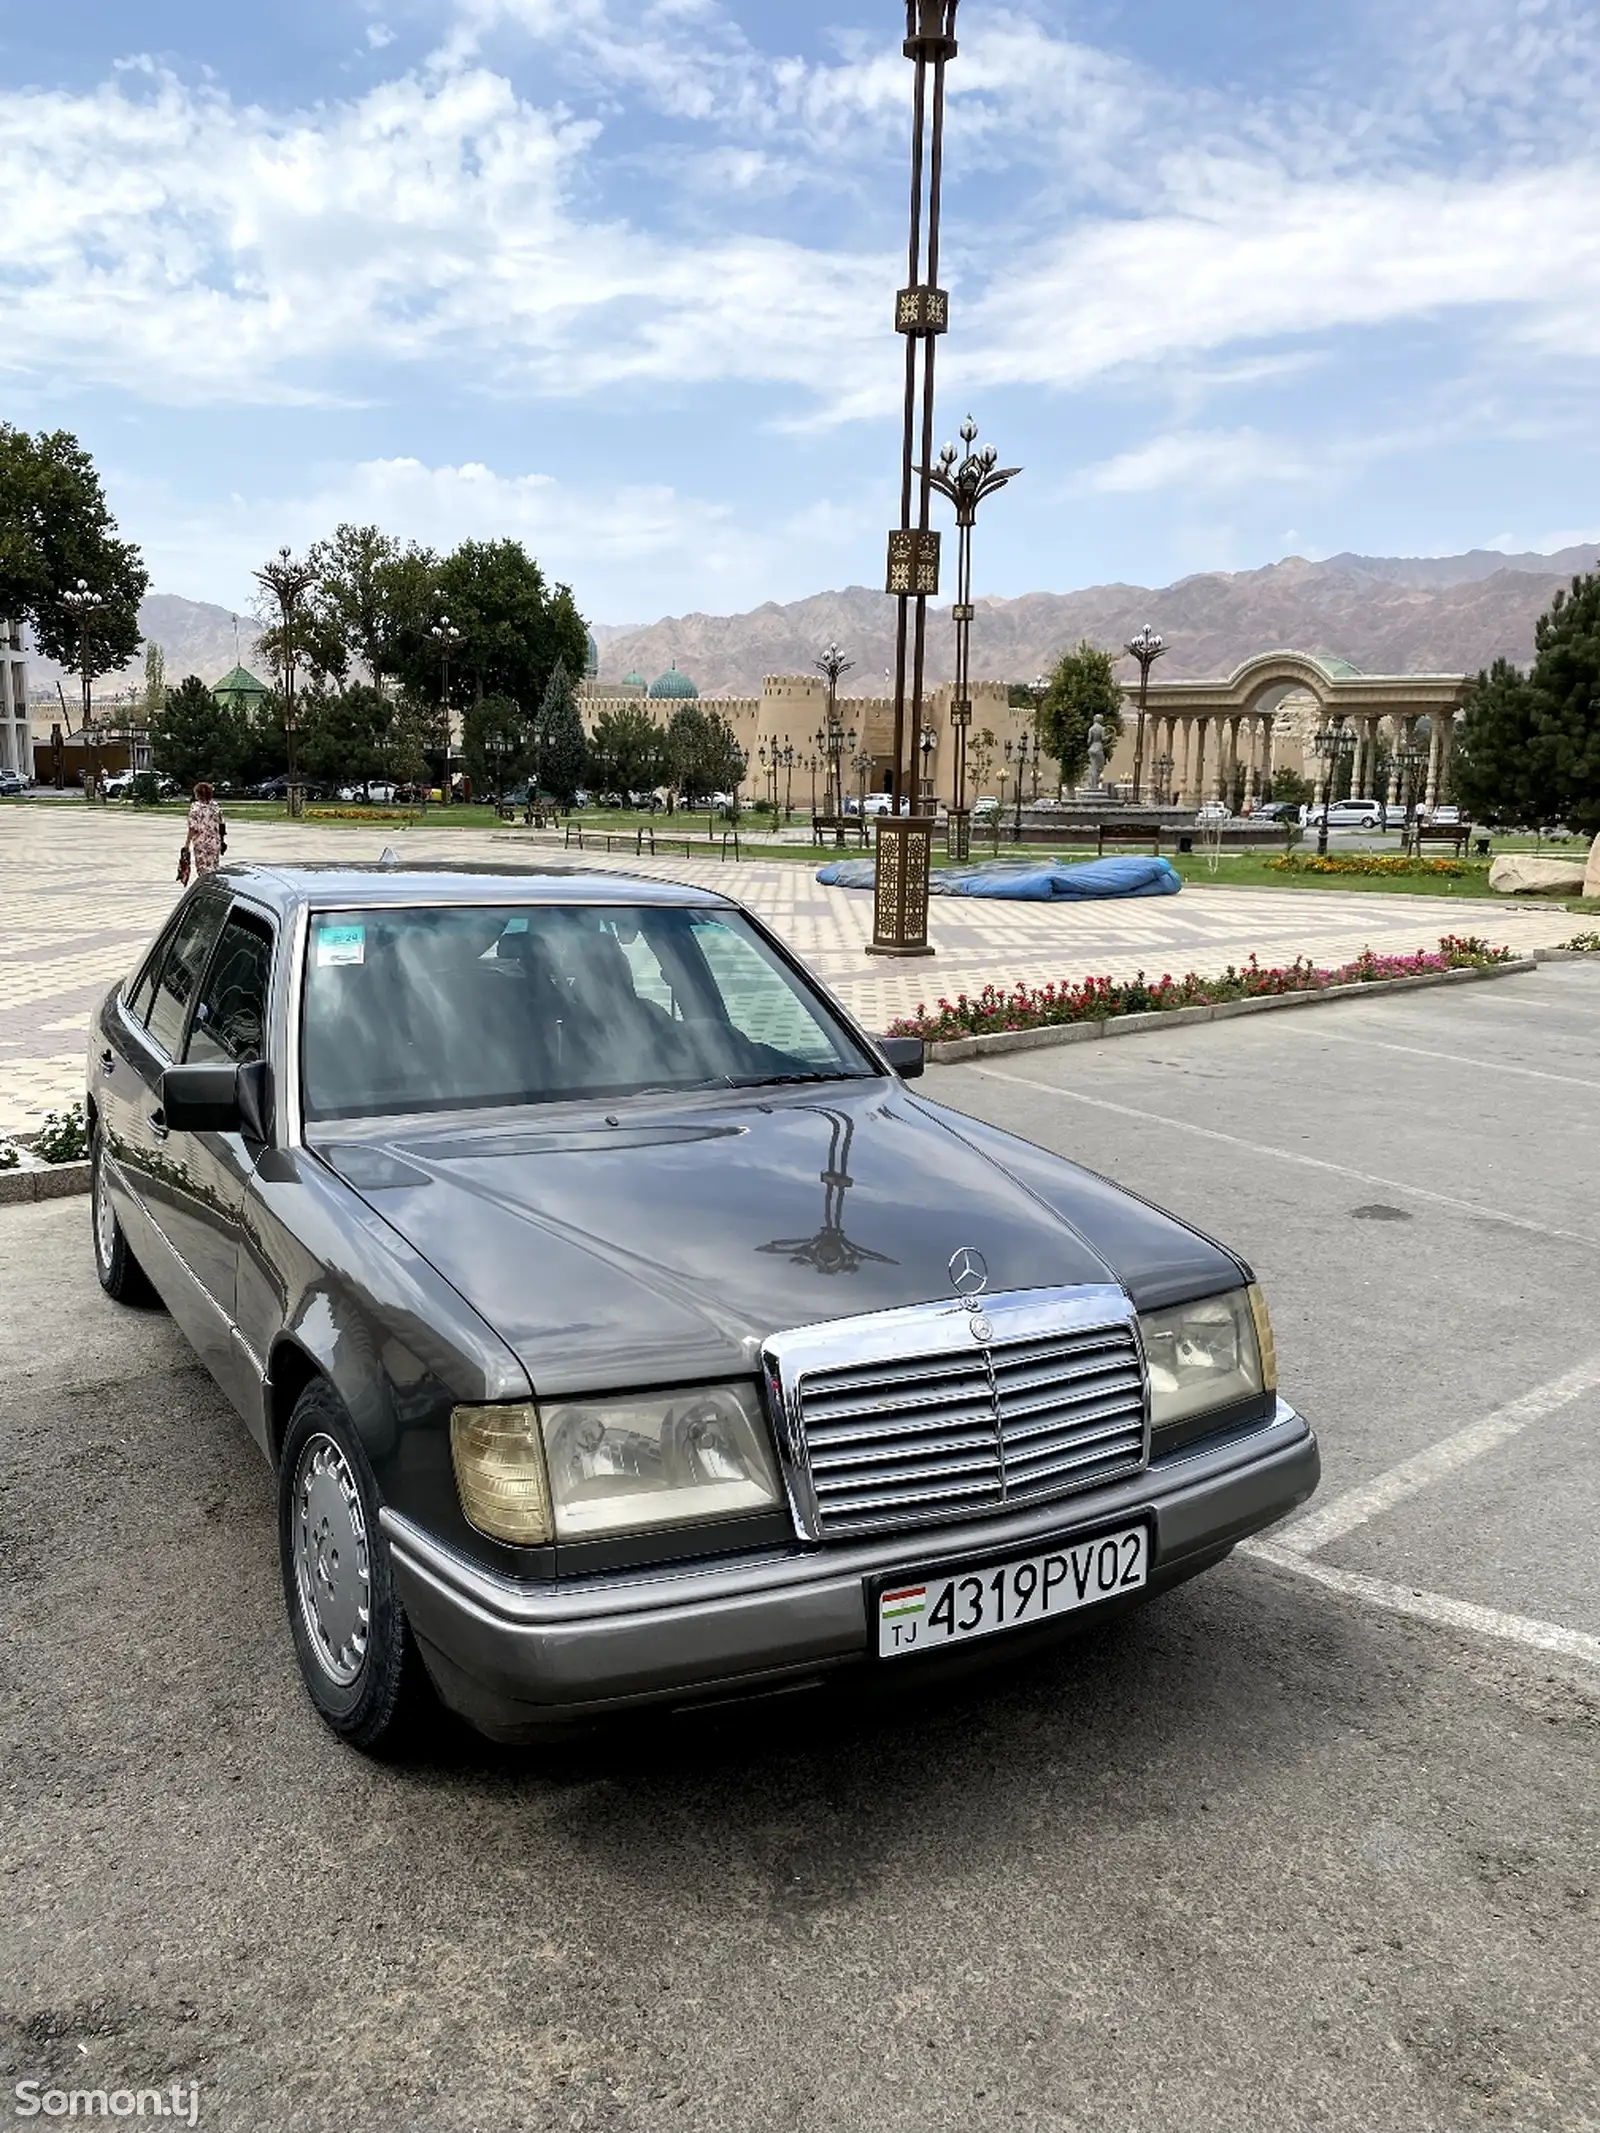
pixel 1384 614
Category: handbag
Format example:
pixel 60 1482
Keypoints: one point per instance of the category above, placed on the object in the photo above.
pixel 222 832
pixel 184 865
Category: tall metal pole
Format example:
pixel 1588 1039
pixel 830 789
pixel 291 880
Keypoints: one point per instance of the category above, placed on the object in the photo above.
pixel 1147 648
pixel 965 485
pixel 900 909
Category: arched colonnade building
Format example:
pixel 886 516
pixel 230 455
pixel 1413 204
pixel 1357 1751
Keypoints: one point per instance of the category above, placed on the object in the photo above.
pixel 1264 717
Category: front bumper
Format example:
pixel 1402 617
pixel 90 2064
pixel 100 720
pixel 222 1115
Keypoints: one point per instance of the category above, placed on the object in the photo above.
pixel 519 1659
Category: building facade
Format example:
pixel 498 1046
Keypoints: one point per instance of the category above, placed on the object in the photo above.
pixel 783 735
pixel 16 752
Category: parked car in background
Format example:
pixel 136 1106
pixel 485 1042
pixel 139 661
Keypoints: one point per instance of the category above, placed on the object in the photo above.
pixel 1274 812
pixel 1349 814
pixel 12 782
pixel 1443 815
pixel 278 788
pixel 1213 811
pixel 379 790
pixel 491 1202
pixel 985 808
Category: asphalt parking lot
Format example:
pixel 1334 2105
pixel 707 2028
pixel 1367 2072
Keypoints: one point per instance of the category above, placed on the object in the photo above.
pixel 1313 1842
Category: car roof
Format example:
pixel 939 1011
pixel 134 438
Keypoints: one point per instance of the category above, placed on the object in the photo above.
pixel 374 884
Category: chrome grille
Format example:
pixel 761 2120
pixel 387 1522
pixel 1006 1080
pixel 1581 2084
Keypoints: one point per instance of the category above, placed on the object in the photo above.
pixel 1034 1413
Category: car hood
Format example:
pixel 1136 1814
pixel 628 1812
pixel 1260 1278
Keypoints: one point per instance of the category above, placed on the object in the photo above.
pixel 670 1239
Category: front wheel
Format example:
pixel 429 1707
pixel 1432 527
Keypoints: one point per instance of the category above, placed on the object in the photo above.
pixel 121 1275
pixel 351 1636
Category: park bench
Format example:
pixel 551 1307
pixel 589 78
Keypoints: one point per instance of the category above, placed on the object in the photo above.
pixel 1454 834
pixel 1126 833
pixel 839 827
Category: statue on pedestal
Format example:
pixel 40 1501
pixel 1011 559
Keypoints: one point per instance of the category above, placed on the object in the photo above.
pixel 1097 755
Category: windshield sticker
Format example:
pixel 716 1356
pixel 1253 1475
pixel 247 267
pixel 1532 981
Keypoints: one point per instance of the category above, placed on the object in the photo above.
pixel 341 944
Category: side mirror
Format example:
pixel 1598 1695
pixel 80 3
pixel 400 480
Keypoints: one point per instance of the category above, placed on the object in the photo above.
pixel 219 1099
pixel 907 1055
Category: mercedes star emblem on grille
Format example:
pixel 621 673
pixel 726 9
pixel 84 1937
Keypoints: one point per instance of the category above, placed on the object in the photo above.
pixel 969 1271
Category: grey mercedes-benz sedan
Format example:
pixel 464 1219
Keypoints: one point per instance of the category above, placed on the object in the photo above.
pixel 623 1328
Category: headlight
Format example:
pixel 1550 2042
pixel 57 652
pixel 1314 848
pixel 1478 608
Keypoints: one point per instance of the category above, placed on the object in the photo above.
pixel 1208 1354
pixel 588 1468
pixel 631 1465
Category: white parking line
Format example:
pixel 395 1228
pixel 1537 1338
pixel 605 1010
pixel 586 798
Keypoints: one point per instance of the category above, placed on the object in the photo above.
pixel 1434 1607
pixel 1333 1520
pixel 1288 1155
pixel 1489 1066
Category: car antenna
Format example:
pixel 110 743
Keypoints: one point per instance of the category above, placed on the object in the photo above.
pixel 388 857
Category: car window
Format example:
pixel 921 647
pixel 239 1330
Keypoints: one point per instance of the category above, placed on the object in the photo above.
pixel 142 991
pixel 192 941
pixel 230 1015
pixel 428 1010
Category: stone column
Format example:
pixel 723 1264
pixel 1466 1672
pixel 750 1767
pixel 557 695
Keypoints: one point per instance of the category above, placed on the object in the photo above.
pixel 1447 741
pixel 1431 793
pixel 1195 770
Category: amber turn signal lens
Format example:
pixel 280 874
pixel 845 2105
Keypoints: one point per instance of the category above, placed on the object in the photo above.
pixel 1264 1339
pixel 498 1454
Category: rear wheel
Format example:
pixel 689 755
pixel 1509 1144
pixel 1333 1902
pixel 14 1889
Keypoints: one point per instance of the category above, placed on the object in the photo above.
pixel 121 1275
pixel 351 1636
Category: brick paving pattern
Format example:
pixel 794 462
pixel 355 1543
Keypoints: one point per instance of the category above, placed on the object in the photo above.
pixel 84 891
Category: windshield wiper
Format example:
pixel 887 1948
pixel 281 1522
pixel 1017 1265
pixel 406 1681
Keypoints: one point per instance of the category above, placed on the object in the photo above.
pixel 777 1081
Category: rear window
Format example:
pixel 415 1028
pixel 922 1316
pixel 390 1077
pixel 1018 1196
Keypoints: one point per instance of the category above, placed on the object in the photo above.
pixel 449 1008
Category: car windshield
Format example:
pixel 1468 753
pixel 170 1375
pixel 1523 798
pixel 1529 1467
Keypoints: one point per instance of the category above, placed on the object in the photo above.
pixel 447 1008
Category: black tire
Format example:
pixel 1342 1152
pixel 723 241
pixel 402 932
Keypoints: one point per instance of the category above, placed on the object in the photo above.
pixel 355 1648
pixel 121 1275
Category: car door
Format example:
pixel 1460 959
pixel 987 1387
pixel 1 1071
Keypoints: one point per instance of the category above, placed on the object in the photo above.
pixel 209 1173
pixel 153 1040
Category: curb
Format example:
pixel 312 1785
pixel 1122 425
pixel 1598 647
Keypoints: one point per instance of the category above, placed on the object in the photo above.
pixel 51 1181
pixel 955 1049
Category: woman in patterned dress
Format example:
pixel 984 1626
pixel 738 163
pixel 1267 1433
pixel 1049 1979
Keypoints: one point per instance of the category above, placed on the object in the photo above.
pixel 206 837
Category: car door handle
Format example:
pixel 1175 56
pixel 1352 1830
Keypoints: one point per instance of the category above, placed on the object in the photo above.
pixel 107 1063
pixel 158 1124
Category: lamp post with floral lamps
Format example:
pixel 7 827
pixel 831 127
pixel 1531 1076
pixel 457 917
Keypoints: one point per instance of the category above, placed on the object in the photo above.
pixel 446 636
pixel 1147 648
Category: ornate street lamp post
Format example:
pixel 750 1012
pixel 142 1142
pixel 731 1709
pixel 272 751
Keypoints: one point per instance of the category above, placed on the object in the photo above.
pixel 861 762
pixel 922 313
pixel 966 480
pixel 446 636
pixel 1331 745
pixel 927 741
pixel 830 741
pixel 1022 753
pixel 288 582
pixel 1147 648
pixel 1409 759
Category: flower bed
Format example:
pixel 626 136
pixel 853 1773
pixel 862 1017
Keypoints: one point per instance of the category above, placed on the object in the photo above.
pixel 1099 999
pixel 1384 863
pixel 360 814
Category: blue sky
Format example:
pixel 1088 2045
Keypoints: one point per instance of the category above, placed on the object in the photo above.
pixel 614 276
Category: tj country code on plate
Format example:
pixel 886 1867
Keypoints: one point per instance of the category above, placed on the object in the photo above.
pixel 918 1615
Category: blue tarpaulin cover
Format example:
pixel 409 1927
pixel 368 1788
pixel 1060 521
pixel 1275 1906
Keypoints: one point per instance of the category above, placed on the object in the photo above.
pixel 1028 880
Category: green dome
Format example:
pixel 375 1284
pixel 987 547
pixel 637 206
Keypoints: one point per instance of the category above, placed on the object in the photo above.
pixel 673 684
pixel 591 657
pixel 634 681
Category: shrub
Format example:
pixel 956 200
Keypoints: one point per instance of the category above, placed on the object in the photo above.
pixel 64 1136
pixel 1383 863
pixel 9 1158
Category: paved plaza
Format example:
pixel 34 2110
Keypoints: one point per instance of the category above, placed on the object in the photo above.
pixel 85 889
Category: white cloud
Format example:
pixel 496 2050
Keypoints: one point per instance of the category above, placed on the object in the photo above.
pixel 608 540
pixel 379 35
pixel 1199 462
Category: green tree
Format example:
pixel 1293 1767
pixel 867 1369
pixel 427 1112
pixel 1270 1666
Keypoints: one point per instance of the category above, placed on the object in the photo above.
pixel 703 753
pixel 1083 687
pixel 155 682
pixel 1496 768
pixel 1290 789
pixel 56 529
pixel 563 745
pixel 514 627
pixel 498 744
pixel 373 598
pixel 632 747
pixel 1566 685
pixel 193 737
pixel 342 733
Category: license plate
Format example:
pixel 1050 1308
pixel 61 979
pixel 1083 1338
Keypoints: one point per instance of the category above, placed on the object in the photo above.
pixel 919 1615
